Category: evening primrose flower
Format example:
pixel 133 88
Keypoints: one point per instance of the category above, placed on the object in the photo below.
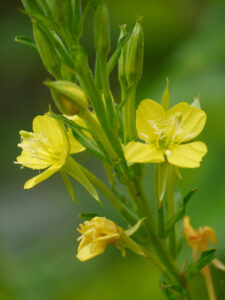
pixel 99 232
pixel 168 135
pixel 199 239
pixel 47 147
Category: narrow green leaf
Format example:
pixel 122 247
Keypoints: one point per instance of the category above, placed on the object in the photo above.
pixel 73 169
pixel 205 259
pixel 87 216
pixel 181 212
pixel 68 186
pixel 135 228
pixel 31 6
pixel 189 195
pixel 88 143
pixel 166 96
pixel 24 40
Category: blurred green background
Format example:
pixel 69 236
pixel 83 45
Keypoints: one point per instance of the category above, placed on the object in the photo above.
pixel 185 41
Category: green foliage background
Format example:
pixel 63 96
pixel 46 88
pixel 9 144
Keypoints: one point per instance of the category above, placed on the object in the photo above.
pixel 185 41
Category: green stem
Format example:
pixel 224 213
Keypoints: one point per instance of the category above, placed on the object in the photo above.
pixel 137 194
pixel 209 283
pixel 129 111
pixel 171 211
pixel 161 177
pixel 161 221
pixel 144 210
pixel 119 206
pixel 87 82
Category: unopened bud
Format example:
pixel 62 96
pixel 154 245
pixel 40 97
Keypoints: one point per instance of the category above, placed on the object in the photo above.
pixel 69 98
pixel 196 103
pixel 47 52
pixel 58 10
pixel 134 57
pixel 122 59
pixel 102 38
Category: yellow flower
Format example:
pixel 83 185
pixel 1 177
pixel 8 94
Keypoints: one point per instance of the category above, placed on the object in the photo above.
pixel 47 147
pixel 96 235
pixel 199 239
pixel 99 232
pixel 168 135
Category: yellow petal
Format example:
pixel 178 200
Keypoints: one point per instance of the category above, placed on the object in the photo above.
pixel 75 146
pixel 54 131
pixel 88 250
pixel 210 233
pixel 193 121
pixel 27 160
pixel 41 177
pixel 187 155
pixel 149 114
pixel 189 232
pixel 142 153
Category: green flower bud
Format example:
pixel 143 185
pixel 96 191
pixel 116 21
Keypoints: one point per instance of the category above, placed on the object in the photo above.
pixel 102 38
pixel 58 10
pixel 122 59
pixel 134 57
pixel 47 52
pixel 69 98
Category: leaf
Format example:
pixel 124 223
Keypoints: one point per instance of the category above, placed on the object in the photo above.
pixel 87 216
pixel 135 228
pixel 172 292
pixel 166 96
pixel 205 259
pixel 73 169
pixel 115 56
pixel 68 186
pixel 83 139
pixel 24 40
pixel 181 212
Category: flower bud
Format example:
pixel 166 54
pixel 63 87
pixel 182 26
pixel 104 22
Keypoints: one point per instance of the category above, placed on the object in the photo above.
pixel 47 52
pixel 122 59
pixel 69 98
pixel 102 38
pixel 58 10
pixel 134 57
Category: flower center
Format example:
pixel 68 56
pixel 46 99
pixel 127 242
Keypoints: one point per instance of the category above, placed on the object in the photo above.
pixel 39 147
pixel 166 131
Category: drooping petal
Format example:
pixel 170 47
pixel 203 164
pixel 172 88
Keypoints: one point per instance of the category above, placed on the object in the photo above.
pixel 143 153
pixel 88 250
pixel 41 177
pixel 54 131
pixel 150 115
pixel 192 121
pixel 75 146
pixel 28 160
pixel 187 155
pixel 210 234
